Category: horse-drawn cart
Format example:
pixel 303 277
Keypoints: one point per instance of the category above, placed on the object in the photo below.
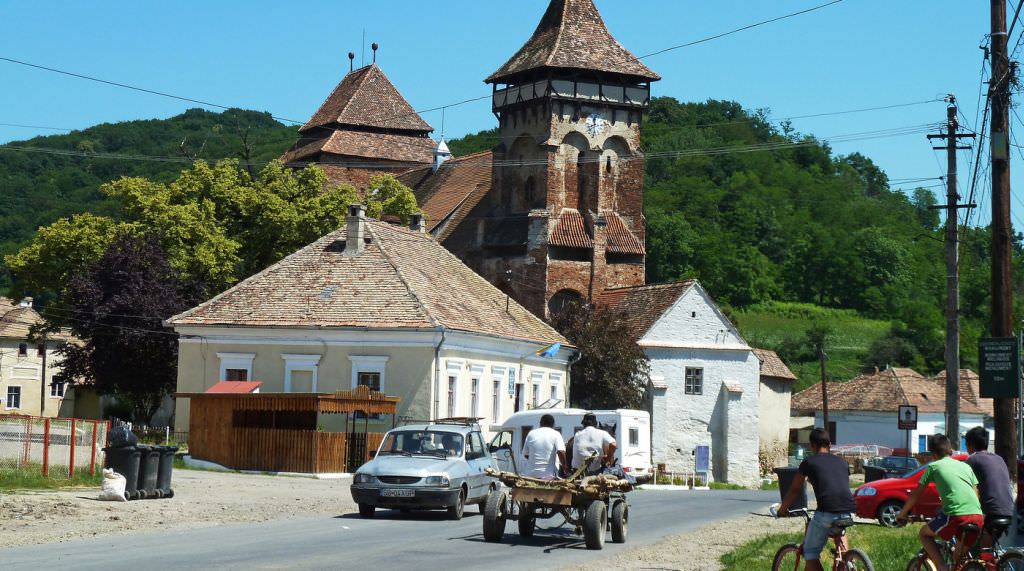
pixel 593 504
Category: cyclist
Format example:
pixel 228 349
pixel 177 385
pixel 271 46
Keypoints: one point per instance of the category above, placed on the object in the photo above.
pixel 830 478
pixel 993 478
pixel 956 483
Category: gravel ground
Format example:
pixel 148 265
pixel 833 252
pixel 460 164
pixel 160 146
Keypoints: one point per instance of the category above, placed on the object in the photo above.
pixel 700 550
pixel 201 499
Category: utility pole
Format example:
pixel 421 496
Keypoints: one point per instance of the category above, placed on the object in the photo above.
pixel 952 271
pixel 824 390
pixel 1002 300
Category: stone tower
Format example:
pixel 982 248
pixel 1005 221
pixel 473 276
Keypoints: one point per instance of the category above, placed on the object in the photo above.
pixel 564 218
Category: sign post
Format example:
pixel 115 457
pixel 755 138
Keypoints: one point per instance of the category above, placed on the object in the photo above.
pixel 906 420
pixel 1000 367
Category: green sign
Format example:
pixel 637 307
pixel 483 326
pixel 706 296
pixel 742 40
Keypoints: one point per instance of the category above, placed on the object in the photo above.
pixel 1000 367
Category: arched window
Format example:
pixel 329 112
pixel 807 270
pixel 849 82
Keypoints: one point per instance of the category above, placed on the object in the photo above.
pixel 563 299
pixel 530 191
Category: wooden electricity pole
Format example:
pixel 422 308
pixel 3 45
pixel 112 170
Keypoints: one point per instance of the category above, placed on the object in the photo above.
pixel 1002 300
pixel 824 390
pixel 952 207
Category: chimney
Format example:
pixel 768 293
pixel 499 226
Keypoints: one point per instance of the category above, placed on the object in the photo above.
pixel 355 239
pixel 416 224
pixel 27 302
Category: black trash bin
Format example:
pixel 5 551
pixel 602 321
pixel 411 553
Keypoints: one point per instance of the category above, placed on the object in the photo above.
pixel 872 473
pixel 125 461
pixel 163 478
pixel 149 469
pixel 786 476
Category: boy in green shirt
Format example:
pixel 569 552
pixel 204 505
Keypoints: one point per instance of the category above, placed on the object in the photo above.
pixel 957 486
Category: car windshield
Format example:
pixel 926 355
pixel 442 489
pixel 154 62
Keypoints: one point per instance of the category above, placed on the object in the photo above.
pixel 430 442
pixel 915 472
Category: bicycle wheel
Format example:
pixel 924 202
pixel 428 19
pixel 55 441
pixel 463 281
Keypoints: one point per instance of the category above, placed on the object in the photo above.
pixel 920 562
pixel 856 560
pixel 1011 561
pixel 787 558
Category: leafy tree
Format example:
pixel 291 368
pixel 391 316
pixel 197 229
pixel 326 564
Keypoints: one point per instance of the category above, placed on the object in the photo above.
pixel 612 371
pixel 120 302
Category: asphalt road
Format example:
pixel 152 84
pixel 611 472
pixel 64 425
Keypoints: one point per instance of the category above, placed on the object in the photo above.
pixel 424 541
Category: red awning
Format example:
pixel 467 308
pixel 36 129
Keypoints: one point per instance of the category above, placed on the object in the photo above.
pixel 234 387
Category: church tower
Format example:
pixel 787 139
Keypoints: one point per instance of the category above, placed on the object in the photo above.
pixel 565 213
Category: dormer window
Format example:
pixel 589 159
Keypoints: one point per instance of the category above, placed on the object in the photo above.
pixel 23 349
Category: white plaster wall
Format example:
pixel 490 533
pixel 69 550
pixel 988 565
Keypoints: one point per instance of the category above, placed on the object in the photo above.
pixel 25 372
pixel 774 406
pixel 867 427
pixel 694 321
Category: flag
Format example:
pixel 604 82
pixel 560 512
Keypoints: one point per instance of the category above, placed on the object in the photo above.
pixel 549 351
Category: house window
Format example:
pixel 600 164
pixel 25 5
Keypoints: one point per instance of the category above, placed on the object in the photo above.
pixel 496 401
pixel 474 397
pixel 236 366
pixel 694 384
pixel 57 389
pixel 41 350
pixel 536 379
pixel 556 382
pixel 300 373
pixel 23 349
pixel 13 397
pixel 634 437
pixel 452 385
pixel 368 371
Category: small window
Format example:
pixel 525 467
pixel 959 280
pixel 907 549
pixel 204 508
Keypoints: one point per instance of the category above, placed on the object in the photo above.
pixel 526 430
pixel 452 381
pixel 608 164
pixel 369 379
pixel 536 395
pixel 694 384
pixel 474 397
pixel 41 350
pixel 634 437
pixel 236 374
pixel 496 402
pixel 57 389
pixel 23 349
pixel 13 397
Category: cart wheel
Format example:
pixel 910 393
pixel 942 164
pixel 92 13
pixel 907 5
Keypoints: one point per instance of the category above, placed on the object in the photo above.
pixel 494 516
pixel 620 522
pixel 527 521
pixel 595 523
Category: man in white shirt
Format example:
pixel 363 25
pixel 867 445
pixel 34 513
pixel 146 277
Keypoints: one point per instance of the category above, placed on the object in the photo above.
pixel 592 440
pixel 544 450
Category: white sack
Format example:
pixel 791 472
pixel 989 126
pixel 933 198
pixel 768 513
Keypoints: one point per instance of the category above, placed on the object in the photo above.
pixel 113 486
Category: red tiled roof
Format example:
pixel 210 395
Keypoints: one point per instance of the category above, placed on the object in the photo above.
pixel 572 35
pixel 885 391
pixel 641 306
pixel 234 387
pixel 359 144
pixel 447 196
pixel 367 98
pixel 570 230
pixel 402 279
pixel 773 366
pixel 16 322
pixel 620 239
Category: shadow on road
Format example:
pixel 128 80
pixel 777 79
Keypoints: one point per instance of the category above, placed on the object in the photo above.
pixel 411 515
pixel 551 540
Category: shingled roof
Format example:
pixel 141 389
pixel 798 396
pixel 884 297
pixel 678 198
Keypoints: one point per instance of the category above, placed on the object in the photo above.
pixel 641 306
pixel 367 98
pixel 447 196
pixel 16 320
pixel 572 35
pixel 385 146
pixel 402 279
pixel 773 366
pixel 885 391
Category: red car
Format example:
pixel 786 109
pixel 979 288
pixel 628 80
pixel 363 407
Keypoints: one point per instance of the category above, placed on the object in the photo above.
pixel 883 499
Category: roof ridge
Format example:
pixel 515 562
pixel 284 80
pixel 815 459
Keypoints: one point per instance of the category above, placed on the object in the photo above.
pixel 558 35
pixel 365 72
pixel 370 227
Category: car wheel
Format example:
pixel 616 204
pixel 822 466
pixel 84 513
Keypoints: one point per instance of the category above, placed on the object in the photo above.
pixel 887 513
pixel 366 511
pixel 455 512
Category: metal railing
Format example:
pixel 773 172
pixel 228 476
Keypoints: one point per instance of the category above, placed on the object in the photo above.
pixel 56 447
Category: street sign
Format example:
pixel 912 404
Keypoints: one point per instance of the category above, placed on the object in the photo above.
pixel 703 459
pixel 1000 367
pixel 907 419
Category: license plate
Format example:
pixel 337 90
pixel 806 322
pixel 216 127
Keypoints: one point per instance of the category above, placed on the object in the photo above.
pixel 389 493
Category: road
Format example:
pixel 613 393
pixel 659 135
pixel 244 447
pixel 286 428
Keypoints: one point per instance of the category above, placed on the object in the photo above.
pixel 424 541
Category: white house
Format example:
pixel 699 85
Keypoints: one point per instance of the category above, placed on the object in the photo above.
pixel 31 381
pixel 704 378
pixel 863 410
pixel 377 305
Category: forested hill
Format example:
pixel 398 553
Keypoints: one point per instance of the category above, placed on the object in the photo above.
pixel 40 185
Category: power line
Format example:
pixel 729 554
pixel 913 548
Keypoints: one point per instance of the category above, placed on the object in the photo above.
pixel 34 127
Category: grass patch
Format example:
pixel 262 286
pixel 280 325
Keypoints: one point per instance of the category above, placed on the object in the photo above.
pixel 887 548
pixel 769 325
pixel 725 486
pixel 31 478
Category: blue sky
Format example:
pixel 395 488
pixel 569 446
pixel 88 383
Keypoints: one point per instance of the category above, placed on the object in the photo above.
pixel 285 58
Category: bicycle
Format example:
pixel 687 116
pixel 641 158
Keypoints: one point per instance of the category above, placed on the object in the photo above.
pixel 788 556
pixel 992 558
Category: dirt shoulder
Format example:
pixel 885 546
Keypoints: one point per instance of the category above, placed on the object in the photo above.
pixel 201 499
pixel 700 550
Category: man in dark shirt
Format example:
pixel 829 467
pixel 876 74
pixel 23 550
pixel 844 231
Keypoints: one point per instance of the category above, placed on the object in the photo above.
pixel 993 476
pixel 830 478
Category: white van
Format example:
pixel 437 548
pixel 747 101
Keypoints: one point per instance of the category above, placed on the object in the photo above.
pixel 631 429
